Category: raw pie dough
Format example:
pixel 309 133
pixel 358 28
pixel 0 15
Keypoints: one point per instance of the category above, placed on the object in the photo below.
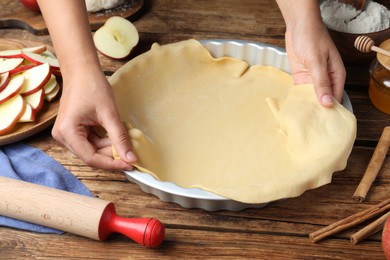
pixel 245 133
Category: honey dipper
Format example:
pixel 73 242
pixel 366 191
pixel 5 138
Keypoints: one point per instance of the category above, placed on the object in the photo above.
pixel 366 44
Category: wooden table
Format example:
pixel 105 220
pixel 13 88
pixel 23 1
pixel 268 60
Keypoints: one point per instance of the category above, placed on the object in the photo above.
pixel 279 230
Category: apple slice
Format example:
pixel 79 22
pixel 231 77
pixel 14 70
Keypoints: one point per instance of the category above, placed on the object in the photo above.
pixel 52 60
pixel 41 59
pixel 21 68
pixel 14 87
pixel 28 114
pixel 35 100
pixel 51 84
pixel 48 54
pixel 4 80
pixel 116 38
pixel 10 113
pixel 56 72
pixel 9 64
pixel 26 62
pixel 35 78
pixel 17 53
pixel 52 94
pixel 11 54
pixel 36 49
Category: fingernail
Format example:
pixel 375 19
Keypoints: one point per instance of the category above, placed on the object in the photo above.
pixel 130 168
pixel 327 100
pixel 130 156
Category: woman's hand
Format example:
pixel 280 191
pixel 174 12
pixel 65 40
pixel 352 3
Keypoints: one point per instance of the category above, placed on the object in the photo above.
pixel 312 54
pixel 314 59
pixel 80 111
pixel 87 98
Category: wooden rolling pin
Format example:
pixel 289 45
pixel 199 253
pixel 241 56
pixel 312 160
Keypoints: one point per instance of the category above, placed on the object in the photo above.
pixel 74 213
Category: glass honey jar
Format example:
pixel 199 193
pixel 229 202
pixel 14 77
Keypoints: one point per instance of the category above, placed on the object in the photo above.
pixel 379 89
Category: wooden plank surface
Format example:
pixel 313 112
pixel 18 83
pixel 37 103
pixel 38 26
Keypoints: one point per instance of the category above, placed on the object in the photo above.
pixel 14 14
pixel 277 231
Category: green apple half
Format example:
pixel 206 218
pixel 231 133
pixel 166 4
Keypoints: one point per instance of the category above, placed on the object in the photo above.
pixel 116 38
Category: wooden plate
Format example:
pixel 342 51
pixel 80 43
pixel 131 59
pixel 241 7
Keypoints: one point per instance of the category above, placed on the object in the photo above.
pixel 45 117
pixel 14 15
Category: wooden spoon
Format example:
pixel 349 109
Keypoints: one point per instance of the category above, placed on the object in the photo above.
pixel 358 4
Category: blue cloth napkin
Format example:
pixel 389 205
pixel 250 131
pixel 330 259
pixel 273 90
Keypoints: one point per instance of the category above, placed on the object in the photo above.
pixel 23 162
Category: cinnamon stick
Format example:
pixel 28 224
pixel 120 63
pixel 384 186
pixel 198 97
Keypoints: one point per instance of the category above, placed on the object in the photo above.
pixel 370 229
pixel 350 221
pixel 374 166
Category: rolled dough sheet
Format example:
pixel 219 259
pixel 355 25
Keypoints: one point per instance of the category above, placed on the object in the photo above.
pixel 243 132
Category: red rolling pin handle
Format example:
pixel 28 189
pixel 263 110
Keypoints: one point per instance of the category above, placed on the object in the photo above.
pixel 148 232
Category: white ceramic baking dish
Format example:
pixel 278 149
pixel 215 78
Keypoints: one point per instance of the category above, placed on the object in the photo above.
pixel 255 54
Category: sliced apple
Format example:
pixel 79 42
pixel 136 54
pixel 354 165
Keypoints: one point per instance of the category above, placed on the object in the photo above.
pixel 51 84
pixel 11 54
pixel 52 59
pixel 35 100
pixel 26 62
pixel 21 68
pixel 17 53
pixel 116 38
pixel 52 94
pixel 13 88
pixel 35 78
pixel 48 54
pixel 9 64
pixel 4 80
pixel 56 72
pixel 41 59
pixel 36 49
pixel 10 113
pixel 28 114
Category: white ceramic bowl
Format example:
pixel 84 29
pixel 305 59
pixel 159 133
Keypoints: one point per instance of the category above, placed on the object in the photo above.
pixel 253 53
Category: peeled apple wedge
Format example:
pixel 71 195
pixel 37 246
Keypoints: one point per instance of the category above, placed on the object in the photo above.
pixel 116 38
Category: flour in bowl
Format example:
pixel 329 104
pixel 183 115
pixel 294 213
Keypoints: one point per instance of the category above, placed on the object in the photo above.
pixel 97 5
pixel 345 18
